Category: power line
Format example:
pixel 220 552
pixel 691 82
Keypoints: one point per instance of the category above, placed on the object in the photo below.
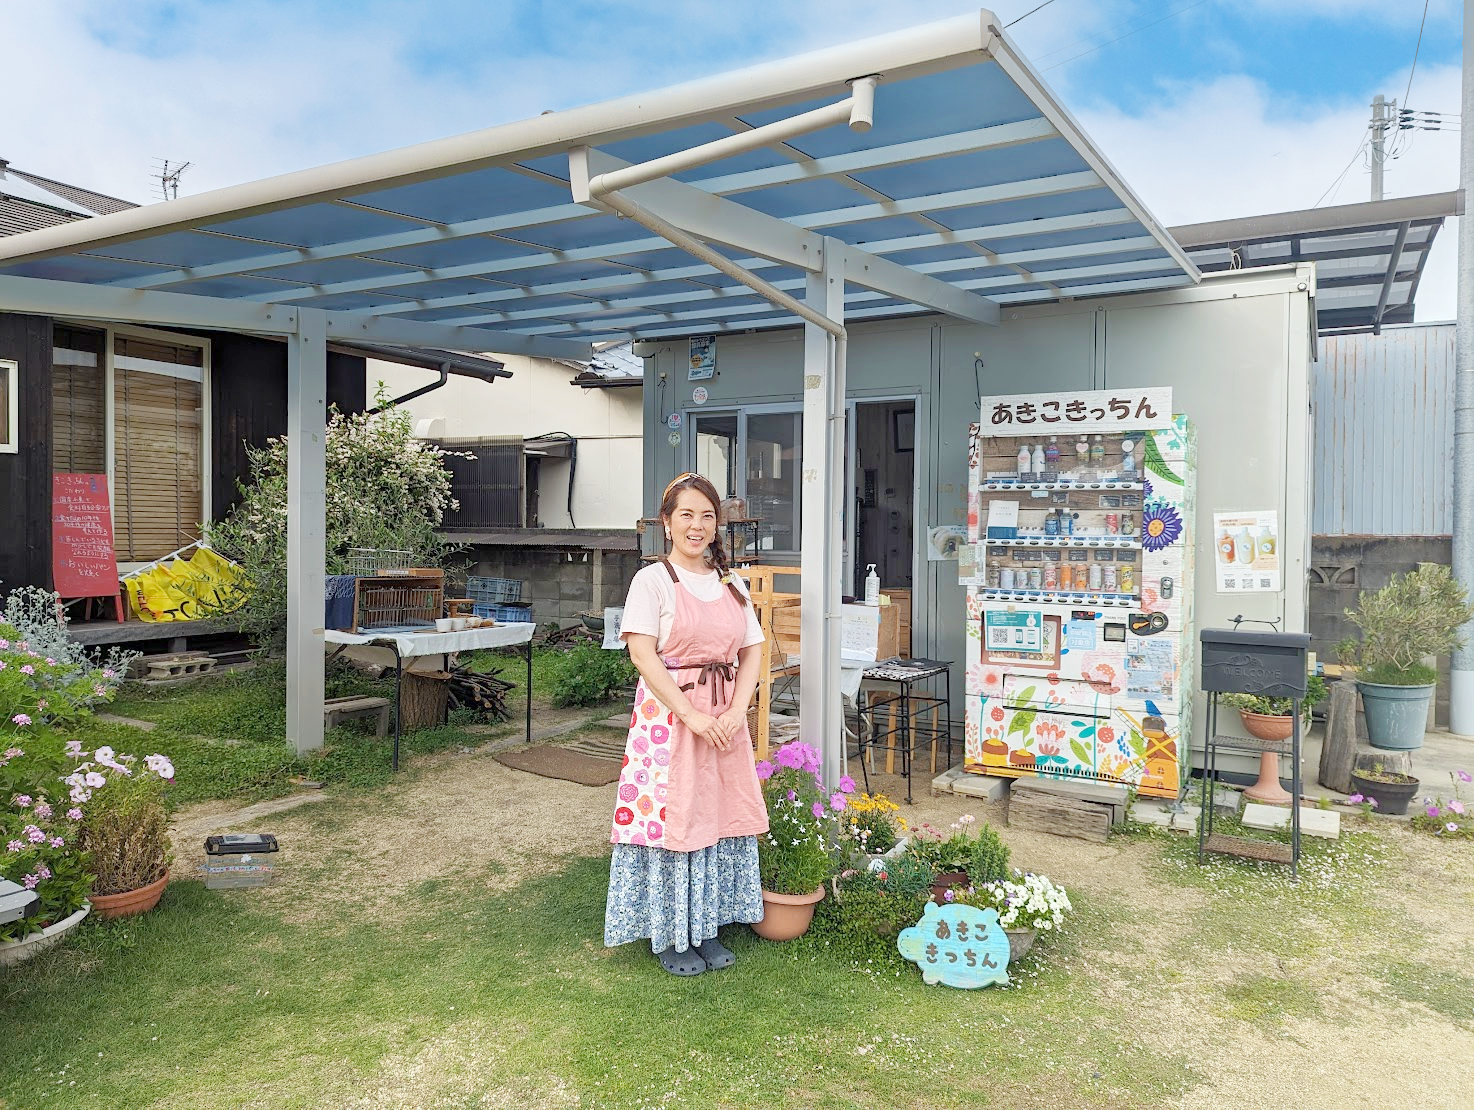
pixel 1343 173
pixel 1127 35
pixel 1026 14
pixel 1416 50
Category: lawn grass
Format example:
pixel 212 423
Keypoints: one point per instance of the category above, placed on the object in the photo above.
pixel 209 1001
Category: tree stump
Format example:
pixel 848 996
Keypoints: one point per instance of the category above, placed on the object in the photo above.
pixel 1339 749
pixel 422 700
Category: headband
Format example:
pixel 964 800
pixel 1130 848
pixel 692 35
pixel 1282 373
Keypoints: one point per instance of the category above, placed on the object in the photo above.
pixel 677 480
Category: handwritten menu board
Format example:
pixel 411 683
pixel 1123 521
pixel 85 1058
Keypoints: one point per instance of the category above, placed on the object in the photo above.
pixel 82 560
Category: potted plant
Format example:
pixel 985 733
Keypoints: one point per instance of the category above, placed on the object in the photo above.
pixel 797 854
pixel 961 857
pixel 869 826
pixel 123 827
pixel 1450 817
pixel 1026 904
pixel 1387 791
pixel 1270 718
pixel 1413 617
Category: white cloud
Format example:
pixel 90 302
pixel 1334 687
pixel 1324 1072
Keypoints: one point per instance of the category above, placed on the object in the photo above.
pixel 1225 148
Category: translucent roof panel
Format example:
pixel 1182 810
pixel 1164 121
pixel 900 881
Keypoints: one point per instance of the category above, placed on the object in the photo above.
pixel 973 178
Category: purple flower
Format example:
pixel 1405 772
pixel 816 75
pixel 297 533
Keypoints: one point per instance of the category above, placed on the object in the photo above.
pixel 31 881
pixel 20 718
pixel 28 669
pixel 43 872
pixel 1432 811
pixel 1372 802
pixel 846 784
pixel 792 795
pixel 22 800
pixel 1161 526
pixel 43 811
pixel 74 814
pixel 99 690
pixel 1351 801
pixel 15 846
pixel 57 842
pixel 764 769
pixel 1464 776
pixel 948 896
pixel 34 835
pixel 836 801
pixel 818 809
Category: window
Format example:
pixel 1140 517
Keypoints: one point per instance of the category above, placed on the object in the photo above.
pixel 754 454
pixel 158 397
pixel 9 407
pixel 78 402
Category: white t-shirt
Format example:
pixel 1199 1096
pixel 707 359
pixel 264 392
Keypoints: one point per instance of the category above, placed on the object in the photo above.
pixel 650 608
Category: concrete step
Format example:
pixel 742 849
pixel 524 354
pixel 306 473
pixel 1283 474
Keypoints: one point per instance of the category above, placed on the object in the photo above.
pixel 1323 823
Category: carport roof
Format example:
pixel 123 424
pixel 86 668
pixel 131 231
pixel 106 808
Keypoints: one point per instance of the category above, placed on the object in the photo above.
pixel 973 175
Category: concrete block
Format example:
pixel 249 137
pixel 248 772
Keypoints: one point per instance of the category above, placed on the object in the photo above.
pixel 1149 811
pixel 1226 799
pixel 1187 820
pixel 986 788
pixel 942 784
pixel 1313 822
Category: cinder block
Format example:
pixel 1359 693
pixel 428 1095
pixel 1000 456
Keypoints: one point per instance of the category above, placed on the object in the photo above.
pixel 1313 822
pixel 986 788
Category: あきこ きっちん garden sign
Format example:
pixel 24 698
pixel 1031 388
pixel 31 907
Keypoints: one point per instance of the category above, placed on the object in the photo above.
pixel 958 946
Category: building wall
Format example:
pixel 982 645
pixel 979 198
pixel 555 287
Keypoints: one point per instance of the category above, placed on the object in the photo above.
pixel 1236 351
pixel 538 400
pixel 559 582
pixel 1384 433
pixel 25 477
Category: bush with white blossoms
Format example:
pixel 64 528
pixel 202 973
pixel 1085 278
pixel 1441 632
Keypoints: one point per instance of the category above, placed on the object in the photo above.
pixel 1027 901
pixel 385 489
pixel 124 829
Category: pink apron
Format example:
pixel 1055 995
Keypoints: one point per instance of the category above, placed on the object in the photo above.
pixel 676 790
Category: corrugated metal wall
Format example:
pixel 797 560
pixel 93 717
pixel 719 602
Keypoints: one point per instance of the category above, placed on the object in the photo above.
pixel 489 485
pixel 1384 433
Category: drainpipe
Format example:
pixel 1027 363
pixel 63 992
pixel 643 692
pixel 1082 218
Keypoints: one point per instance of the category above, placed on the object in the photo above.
pixel 1461 668
pixel 413 393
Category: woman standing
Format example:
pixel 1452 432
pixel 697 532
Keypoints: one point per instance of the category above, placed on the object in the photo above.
pixel 690 808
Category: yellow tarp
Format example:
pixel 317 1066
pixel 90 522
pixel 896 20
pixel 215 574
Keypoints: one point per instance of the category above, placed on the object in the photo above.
pixel 204 585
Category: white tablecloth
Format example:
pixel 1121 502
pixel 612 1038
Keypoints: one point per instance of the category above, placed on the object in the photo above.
pixel 411 644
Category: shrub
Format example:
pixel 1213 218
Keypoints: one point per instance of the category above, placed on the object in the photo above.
pixel 589 675
pixel 798 851
pixel 1412 617
pixel 385 489
pixel 123 827
pixel 989 859
pixel 38 830
pixel 869 911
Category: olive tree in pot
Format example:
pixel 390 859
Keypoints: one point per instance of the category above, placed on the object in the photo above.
pixel 1414 616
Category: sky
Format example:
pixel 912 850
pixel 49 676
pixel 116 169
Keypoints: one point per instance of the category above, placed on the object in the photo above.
pixel 1210 109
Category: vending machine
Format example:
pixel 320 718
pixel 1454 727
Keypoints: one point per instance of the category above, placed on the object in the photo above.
pixel 1079 579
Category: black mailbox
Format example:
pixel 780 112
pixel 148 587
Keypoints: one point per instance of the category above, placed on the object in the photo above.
pixel 1271 664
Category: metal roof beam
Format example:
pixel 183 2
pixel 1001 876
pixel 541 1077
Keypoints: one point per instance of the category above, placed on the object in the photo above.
pixel 70 299
pixel 959 198
pixel 723 221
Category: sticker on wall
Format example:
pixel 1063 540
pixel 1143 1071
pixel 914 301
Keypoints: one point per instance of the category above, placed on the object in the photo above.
pixel 703 351
pixel 1246 558
pixel 674 439
pixel 699 395
pixel 1080 636
pixel 945 541
pixel 673 421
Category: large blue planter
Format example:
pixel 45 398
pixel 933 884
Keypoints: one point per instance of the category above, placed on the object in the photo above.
pixel 1396 715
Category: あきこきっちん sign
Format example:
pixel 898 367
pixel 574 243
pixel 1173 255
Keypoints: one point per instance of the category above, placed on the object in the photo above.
pixel 957 946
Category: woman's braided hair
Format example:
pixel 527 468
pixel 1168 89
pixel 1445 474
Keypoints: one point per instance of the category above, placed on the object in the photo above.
pixel 715 552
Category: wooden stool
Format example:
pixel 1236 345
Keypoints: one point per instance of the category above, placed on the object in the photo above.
pixel 337 710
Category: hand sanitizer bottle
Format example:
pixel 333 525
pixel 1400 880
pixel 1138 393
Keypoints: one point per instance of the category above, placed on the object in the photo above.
pixel 872 586
pixel 1025 463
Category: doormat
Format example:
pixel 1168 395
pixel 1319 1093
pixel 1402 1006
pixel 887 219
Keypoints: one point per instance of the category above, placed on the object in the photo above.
pixel 588 760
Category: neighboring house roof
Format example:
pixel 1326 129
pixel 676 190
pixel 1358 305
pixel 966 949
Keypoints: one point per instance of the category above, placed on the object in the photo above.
pixel 613 365
pixel 29 202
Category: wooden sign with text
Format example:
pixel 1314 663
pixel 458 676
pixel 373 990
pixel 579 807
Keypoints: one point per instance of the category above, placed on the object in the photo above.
pixel 83 563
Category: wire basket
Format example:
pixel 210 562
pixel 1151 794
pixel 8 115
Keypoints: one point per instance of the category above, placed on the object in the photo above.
pixel 394 606
pixel 367 562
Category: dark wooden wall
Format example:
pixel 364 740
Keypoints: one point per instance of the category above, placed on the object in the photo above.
pixel 248 405
pixel 25 477
pixel 248 400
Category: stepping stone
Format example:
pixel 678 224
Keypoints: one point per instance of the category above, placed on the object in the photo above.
pixel 1325 824
pixel 131 722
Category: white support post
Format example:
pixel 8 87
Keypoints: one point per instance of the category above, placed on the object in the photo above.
pixel 822 489
pixel 307 417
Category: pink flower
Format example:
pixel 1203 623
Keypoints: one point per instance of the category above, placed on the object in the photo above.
pixel 20 719
pixel 818 809
pixel 4 644
pixel 74 814
pixel 34 835
pixel 50 662
pixel 792 795
pixel 22 800
pixel 846 784
pixel 43 811
pixel 57 842
pixel 42 703
pixel 79 795
pixel 764 769
pixel 11 753
pixel 1432 811
pixel 94 780
pixel 1372 802
pixel 43 872
pixel 836 801
pixel 15 846
pixel 1464 776
pixel 108 672
pixel 1451 827
pixel 28 669
pixel 31 881
pixel 1354 798
pixel 74 749
pixel 1455 805
pixel 628 792
pixel 99 690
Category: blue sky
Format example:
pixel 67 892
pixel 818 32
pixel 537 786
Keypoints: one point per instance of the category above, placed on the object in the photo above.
pixel 1211 108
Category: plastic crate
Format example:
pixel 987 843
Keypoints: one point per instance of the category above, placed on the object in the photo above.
pixel 494 591
pixel 506 614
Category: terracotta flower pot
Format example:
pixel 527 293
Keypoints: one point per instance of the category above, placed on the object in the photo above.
pixel 1262 726
pixel 130 903
pixel 787 916
pixel 944 881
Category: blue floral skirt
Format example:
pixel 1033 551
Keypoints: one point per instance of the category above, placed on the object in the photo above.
pixel 675 898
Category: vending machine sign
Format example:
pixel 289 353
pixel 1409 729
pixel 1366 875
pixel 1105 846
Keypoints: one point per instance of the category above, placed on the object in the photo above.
pixel 1015 631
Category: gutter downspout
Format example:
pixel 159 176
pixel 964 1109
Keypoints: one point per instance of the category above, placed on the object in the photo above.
pixel 413 393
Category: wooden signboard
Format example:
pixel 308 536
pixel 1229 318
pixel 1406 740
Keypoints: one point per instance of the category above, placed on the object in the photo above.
pixel 83 563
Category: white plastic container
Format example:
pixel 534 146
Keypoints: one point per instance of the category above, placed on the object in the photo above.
pixel 872 586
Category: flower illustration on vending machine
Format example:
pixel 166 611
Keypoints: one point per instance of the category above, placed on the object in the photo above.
pixel 1161 526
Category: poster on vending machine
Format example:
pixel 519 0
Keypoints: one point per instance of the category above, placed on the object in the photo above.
pixel 1246 557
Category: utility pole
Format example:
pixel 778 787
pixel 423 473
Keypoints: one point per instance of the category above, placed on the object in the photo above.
pixel 1383 112
pixel 1461 677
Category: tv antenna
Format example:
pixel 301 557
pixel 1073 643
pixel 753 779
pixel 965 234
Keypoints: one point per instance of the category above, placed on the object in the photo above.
pixel 166 177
